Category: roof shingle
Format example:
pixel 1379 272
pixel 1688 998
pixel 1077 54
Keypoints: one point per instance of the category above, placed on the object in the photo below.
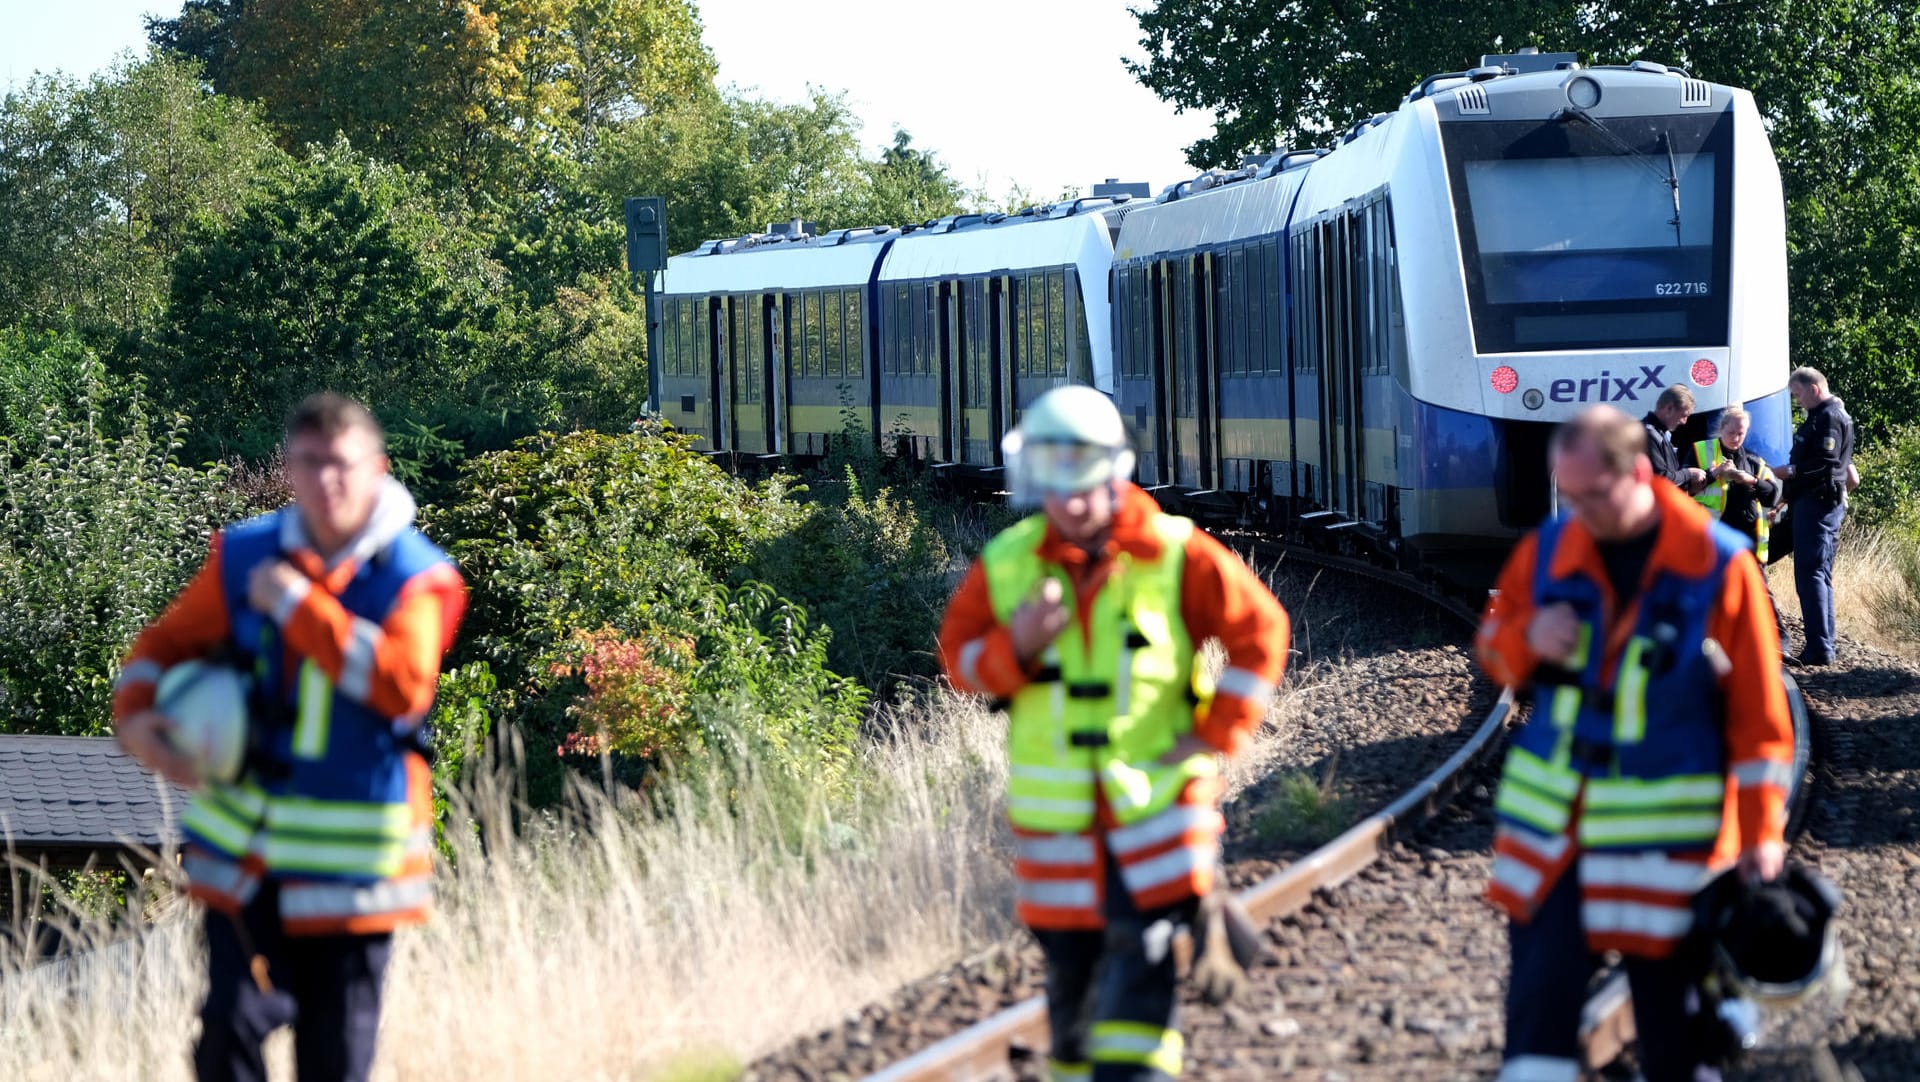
pixel 81 792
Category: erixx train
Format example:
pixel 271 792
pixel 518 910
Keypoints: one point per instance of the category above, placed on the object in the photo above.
pixel 1370 342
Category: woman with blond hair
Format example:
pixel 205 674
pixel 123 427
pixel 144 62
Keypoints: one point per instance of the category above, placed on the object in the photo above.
pixel 1741 490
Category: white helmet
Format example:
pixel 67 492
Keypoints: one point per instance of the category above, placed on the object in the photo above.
pixel 207 704
pixel 1070 440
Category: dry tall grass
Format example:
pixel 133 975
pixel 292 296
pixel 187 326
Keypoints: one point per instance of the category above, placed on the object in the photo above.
pixel 607 942
pixel 1876 587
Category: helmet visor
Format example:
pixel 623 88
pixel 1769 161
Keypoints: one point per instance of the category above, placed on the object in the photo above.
pixel 1060 469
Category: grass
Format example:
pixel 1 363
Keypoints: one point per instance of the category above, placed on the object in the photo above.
pixel 1303 813
pixel 606 941
pixel 1876 586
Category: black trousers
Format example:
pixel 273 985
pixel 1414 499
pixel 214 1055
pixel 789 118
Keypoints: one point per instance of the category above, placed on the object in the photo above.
pixel 1548 987
pixel 1122 974
pixel 326 987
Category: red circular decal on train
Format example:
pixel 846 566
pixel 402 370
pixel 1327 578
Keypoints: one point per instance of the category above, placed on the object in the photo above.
pixel 1705 372
pixel 1505 379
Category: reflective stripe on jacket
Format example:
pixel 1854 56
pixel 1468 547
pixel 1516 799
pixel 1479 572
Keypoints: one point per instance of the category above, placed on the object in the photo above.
pixel 1661 748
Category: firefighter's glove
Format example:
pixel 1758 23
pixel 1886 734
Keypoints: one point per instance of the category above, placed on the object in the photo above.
pixel 1226 945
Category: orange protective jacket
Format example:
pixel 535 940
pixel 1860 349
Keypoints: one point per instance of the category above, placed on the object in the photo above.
pixel 1755 715
pixel 1219 598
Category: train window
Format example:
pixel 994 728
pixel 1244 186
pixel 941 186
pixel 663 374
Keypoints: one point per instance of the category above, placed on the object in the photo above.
pixel 1142 323
pixel 901 332
pixel 1253 325
pixel 1270 304
pixel 856 336
pixel 753 348
pixel 703 327
pixel 1564 227
pixel 812 342
pixel 1057 323
pixel 1082 369
pixel 1242 311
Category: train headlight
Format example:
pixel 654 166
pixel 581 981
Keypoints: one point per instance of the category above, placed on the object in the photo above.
pixel 1583 92
pixel 1505 379
pixel 1533 399
pixel 1705 373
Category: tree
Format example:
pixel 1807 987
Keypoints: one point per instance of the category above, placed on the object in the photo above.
pixel 203 31
pixel 910 185
pixel 335 274
pixel 467 92
pixel 103 182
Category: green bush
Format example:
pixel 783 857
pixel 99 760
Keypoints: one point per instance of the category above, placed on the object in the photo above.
pixel 102 528
pixel 42 375
pixel 1889 492
pixel 600 564
pixel 869 564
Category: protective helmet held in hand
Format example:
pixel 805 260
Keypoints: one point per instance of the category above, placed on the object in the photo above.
pixel 1775 942
pixel 207 703
pixel 1070 440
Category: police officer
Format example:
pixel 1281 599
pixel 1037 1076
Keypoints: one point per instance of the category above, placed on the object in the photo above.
pixel 1084 620
pixel 1816 479
pixel 1670 411
pixel 1658 750
pixel 1741 490
pixel 341 609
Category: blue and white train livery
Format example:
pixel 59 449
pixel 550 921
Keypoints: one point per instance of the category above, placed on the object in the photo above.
pixel 1371 342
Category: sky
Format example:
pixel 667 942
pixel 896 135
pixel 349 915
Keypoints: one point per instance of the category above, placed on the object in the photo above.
pixel 1005 92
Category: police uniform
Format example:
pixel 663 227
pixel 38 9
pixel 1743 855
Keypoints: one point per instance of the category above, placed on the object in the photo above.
pixel 1112 848
pixel 1816 496
pixel 1655 755
pixel 324 845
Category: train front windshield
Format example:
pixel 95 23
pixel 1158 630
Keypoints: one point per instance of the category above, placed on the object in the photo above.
pixel 1586 233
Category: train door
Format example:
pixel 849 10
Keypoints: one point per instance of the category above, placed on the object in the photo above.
pixel 720 370
pixel 1341 427
pixel 1159 368
pixel 1006 386
pixel 783 313
pixel 749 388
pixel 1206 366
pixel 978 424
pixel 946 343
pixel 1188 397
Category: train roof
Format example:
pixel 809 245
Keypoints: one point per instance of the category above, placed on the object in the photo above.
pixel 836 260
pixel 1214 208
pixel 1039 237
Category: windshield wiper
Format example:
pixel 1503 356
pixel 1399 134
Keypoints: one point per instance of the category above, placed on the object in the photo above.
pixel 1669 176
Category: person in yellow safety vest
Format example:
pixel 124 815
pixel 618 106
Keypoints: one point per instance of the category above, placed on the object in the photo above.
pixel 1084 621
pixel 1659 751
pixel 1741 488
pixel 1741 491
pixel 340 609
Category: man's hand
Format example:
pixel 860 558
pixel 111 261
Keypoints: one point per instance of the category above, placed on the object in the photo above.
pixel 1784 472
pixel 269 583
pixel 1762 863
pixel 1554 633
pixel 1038 621
pixel 1186 748
pixel 1693 479
pixel 144 736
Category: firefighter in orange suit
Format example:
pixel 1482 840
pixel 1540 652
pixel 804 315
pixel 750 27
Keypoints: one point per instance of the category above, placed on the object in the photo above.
pixel 1084 621
pixel 340 610
pixel 1659 750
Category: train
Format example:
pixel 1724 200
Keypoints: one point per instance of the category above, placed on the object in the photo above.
pixel 1365 345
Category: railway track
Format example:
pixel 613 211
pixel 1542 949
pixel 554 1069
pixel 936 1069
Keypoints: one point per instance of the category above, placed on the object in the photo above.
pixel 1367 934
